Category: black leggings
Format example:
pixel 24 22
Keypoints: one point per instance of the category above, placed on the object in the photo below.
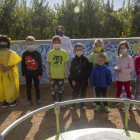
pixel 29 86
pixel 101 91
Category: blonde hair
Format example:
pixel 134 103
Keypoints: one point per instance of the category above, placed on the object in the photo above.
pixel 30 38
pixel 139 51
pixel 100 41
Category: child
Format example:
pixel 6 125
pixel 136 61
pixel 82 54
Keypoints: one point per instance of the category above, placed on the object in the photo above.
pixel 123 68
pixel 66 42
pixel 97 48
pixel 57 68
pixel 79 74
pixel 9 76
pixel 137 69
pixel 101 79
pixel 31 67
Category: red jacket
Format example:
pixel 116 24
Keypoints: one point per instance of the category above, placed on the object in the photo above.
pixel 137 65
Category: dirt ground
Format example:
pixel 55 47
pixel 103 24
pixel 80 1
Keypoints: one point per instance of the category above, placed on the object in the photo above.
pixel 43 125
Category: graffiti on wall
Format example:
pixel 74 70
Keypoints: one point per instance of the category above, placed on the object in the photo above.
pixel 110 48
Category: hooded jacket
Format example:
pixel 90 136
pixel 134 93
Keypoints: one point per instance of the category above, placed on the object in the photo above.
pixel 100 76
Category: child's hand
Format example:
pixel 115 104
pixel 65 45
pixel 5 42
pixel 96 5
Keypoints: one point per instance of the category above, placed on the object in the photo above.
pixel 120 70
pixel 117 70
pixel 49 78
pixel 139 75
pixel 24 78
pixel 73 83
pixel 39 77
pixel 8 68
pixel 94 87
pixel 2 68
pixel 88 80
pixel 66 78
pixel 108 87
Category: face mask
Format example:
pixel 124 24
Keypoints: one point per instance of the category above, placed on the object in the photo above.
pixel 98 49
pixel 30 47
pixel 61 33
pixel 56 46
pixel 123 51
pixel 4 46
pixel 79 53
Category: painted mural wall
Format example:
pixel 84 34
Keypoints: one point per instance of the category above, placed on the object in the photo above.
pixel 110 45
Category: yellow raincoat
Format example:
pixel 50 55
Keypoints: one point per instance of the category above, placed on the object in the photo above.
pixel 9 80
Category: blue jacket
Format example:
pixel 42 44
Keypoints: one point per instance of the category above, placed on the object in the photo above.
pixel 100 76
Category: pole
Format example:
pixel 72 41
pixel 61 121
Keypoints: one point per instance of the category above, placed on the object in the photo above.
pixel 57 112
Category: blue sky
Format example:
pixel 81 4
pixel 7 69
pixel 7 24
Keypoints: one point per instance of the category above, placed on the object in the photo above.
pixel 117 3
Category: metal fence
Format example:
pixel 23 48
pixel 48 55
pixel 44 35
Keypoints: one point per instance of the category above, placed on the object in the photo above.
pixel 57 105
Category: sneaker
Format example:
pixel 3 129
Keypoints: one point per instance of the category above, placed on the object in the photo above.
pixel 135 107
pixel 39 102
pixel 94 104
pixel 101 103
pixel 83 106
pixel 29 103
pixel 97 108
pixel 130 108
pixel 5 104
pixel 115 104
pixel 107 109
pixel 71 107
pixel 13 103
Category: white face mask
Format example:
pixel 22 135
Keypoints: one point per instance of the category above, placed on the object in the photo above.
pixel 123 51
pixel 79 53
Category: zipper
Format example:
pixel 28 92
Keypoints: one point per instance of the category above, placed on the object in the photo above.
pixel 100 76
pixel 80 65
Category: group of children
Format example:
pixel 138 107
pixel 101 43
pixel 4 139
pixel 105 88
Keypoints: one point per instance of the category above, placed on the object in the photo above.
pixel 80 72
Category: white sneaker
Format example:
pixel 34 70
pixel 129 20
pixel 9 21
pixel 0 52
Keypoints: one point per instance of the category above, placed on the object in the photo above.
pixel 135 107
pixel 94 104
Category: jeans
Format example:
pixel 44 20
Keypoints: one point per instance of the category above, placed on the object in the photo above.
pixel 137 91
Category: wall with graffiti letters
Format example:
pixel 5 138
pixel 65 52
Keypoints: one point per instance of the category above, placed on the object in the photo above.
pixel 110 45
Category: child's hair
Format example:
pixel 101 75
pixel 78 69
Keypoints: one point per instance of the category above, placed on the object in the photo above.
pixel 57 37
pixel 30 38
pixel 59 27
pixel 78 45
pixel 5 38
pixel 0 46
pixel 139 51
pixel 122 43
pixel 101 55
pixel 100 41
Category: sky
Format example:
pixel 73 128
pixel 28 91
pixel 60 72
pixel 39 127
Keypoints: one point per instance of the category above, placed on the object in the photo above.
pixel 117 3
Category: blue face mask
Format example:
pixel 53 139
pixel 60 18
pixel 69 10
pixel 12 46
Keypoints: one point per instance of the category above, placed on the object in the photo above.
pixel 30 47
pixel 123 51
